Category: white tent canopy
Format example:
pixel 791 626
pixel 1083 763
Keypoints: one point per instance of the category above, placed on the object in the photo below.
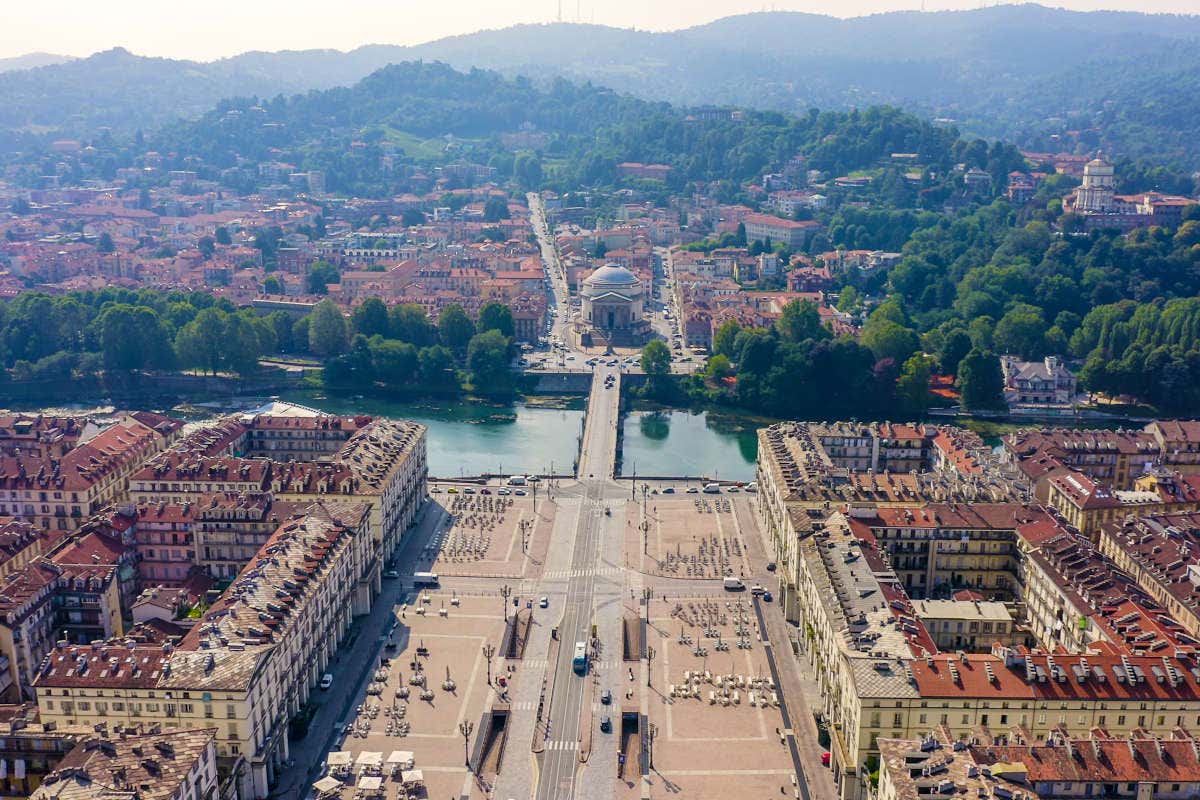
pixel 400 757
pixel 340 758
pixel 369 758
pixel 370 783
pixel 411 776
pixel 327 785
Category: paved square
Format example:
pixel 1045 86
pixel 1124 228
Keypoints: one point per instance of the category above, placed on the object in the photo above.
pixel 489 535
pixel 713 702
pixel 685 536
pixel 440 648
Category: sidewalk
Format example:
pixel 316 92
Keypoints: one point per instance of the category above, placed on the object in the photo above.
pixel 349 668
pixel 795 678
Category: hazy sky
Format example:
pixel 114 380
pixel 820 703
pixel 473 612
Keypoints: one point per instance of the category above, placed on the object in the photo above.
pixel 216 28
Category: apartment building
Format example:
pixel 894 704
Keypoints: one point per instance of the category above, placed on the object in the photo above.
pixel 1115 458
pixel 1086 504
pixel 20 543
pixel 1064 767
pixel 149 765
pixel 73 593
pixel 59 493
pixel 808 470
pixel 1161 552
pixel 250 662
pixel 381 461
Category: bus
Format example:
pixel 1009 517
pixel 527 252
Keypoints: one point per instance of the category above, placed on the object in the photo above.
pixel 580 661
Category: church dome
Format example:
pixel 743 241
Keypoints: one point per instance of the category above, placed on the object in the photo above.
pixel 612 275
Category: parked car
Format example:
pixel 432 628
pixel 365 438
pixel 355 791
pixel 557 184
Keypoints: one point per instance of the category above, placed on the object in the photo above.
pixel 391 574
pixel 544 602
pixel 326 681
pixel 606 697
pixel 606 724
pixel 767 597
pixel 669 490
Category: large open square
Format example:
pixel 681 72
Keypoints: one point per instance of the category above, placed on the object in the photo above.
pixel 489 535
pixel 713 702
pixel 694 536
pixel 432 677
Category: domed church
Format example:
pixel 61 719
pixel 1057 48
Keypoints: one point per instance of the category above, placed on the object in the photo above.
pixel 613 308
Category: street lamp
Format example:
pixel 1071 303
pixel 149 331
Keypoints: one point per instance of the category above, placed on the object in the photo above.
pixel 488 651
pixel 465 728
pixel 505 593
pixel 649 661
pixel 651 735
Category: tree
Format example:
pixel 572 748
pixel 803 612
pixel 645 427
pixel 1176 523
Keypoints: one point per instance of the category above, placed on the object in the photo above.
pixel 200 342
pixel 395 362
pixel 1021 332
pixel 409 323
pixel 370 318
pixel 718 367
pixel 656 359
pixel 411 217
pixel 955 346
pixel 912 387
pixel 132 337
pixel 223 236
pixel 724 338
pixel 240 344
pixel 455 328
pixel 496 317
pixel 888 339
pixel 436 364
pixel 488 360
pixel 326 330
pixel 800 321
pixel 272 285
pixel 105 243
pixel 981 382
pixel 848 299
pixel 495 209
pixel 320 275
pixel 281 324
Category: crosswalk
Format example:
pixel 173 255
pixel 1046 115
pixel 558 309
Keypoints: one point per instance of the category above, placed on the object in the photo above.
pixel 535 663
pixel 525 706
pixel 562 746
pixel 584 573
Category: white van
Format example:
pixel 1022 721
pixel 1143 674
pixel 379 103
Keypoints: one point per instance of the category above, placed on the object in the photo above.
pixel 425 579
pixel 734 585
pixel 516 480
pixel 712 488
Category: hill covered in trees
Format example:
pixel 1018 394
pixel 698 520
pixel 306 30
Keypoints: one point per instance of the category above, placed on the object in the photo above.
pixel 588 130
pixel 1043 78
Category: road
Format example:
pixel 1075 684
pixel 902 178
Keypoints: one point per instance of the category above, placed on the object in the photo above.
pixel 571 692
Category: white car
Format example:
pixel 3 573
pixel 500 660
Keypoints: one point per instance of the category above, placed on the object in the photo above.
pixel 326 681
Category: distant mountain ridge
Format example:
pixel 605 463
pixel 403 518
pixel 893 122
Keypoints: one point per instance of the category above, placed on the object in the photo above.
pixel 32 60
pixel 1123 80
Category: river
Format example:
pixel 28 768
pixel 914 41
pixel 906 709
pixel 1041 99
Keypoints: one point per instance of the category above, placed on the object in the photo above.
pixel 680 442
